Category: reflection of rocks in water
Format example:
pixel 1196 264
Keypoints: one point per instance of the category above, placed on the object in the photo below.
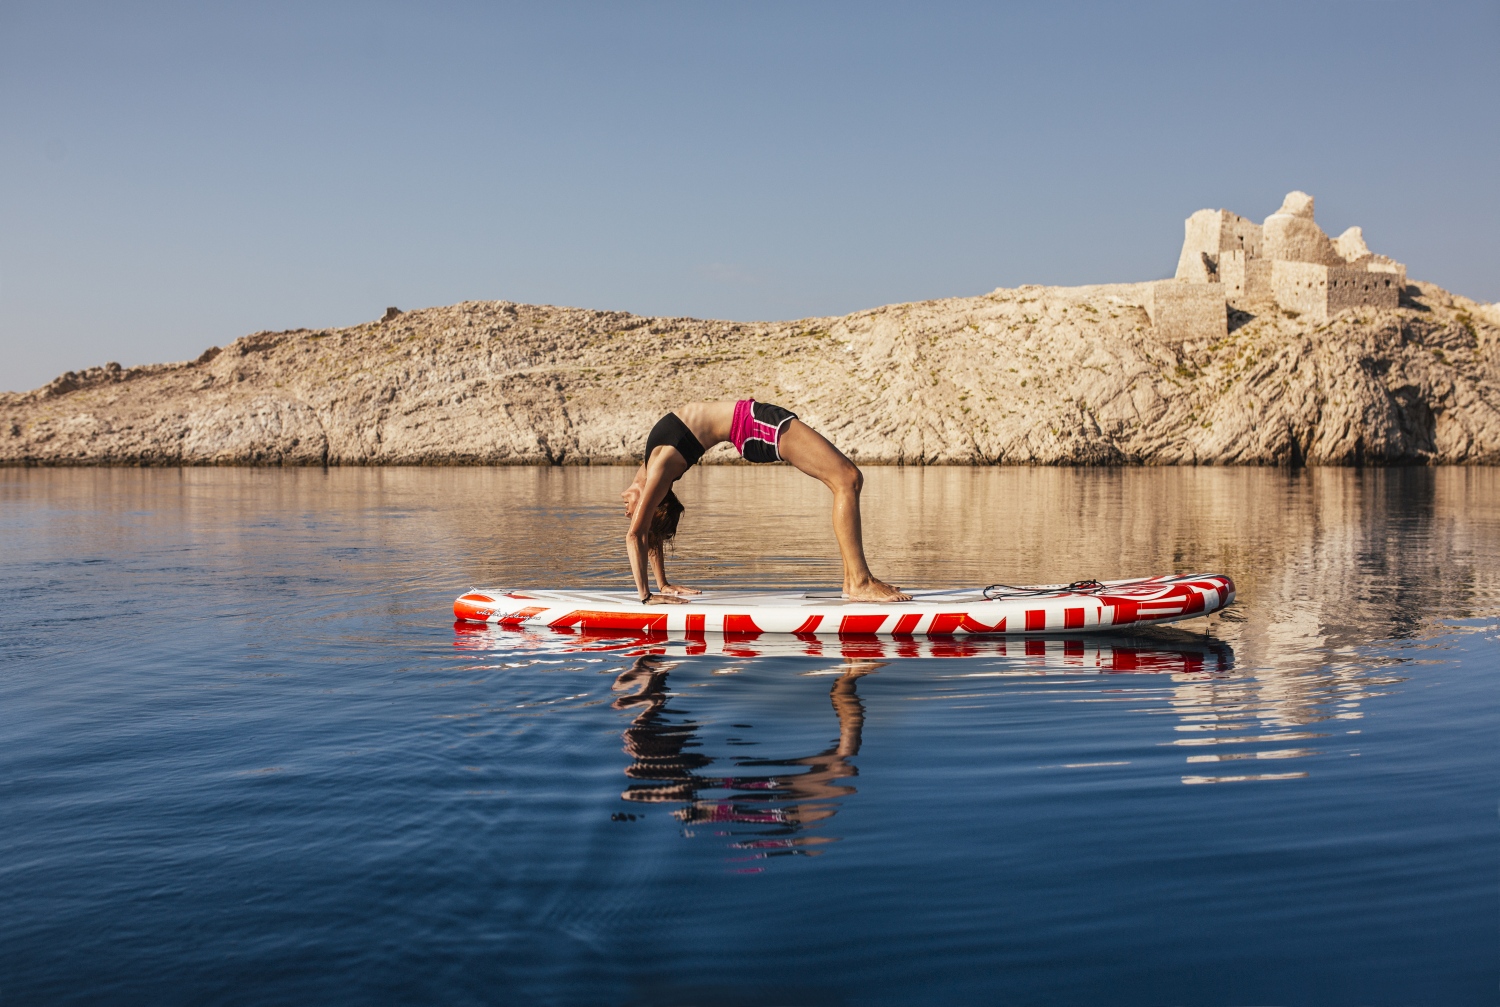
pixel 1370 555
pixel 1356 557
pixel 1274 706
pixel 773 807
pixel 1326 562
pixel 1303 680
pixel 1244 724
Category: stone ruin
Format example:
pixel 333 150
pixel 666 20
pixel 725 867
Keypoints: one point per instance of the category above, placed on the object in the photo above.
pixel 1231 261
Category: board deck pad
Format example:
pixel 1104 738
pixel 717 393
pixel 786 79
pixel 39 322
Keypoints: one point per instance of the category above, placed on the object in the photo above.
pixel 1087 607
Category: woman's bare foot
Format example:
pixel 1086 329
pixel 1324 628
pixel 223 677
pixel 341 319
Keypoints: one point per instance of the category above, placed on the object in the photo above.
pixel 678 591
pixel 874 590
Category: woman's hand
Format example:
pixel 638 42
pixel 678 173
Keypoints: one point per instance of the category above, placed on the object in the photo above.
pixel 677 590
pixel 662 599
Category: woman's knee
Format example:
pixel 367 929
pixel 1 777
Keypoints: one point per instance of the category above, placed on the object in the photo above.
pixel 848 479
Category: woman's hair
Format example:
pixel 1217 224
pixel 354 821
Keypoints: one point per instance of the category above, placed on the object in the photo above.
pixel 663 526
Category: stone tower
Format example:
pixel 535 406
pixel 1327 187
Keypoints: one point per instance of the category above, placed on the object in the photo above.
pixel 1287 259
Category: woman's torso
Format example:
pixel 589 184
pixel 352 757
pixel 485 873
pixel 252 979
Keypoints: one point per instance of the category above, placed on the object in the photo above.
pixel 709 421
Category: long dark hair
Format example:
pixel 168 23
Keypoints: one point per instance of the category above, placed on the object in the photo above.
pixel 664 522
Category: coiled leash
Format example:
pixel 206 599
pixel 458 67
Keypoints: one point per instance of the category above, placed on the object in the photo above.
pixel 1003 591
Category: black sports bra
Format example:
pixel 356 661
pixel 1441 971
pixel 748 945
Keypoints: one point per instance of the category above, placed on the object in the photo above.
pixel 671 431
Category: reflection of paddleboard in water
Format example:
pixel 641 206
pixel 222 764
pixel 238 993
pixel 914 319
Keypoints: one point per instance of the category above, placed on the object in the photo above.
pixel 1162 653
pixel 1081 607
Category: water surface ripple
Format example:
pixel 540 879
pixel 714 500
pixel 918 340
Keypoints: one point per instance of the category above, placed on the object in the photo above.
pixel 246 756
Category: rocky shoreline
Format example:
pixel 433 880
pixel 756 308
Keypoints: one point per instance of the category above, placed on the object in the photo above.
pixel 1033 375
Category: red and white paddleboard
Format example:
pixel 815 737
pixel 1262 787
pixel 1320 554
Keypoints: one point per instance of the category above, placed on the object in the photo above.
pixel 1083 607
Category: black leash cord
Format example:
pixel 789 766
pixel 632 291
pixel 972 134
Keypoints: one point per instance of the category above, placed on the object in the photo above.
pixel 1002 591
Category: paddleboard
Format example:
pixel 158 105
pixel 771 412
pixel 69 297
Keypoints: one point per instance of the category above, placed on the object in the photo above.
pixel 1060 653
pixel 1081 607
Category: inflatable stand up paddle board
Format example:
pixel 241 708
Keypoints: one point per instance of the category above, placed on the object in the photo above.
pixel 1037 654
pixel 1082 607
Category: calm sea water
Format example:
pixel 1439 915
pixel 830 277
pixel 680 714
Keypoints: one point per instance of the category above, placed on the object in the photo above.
pixel 247 757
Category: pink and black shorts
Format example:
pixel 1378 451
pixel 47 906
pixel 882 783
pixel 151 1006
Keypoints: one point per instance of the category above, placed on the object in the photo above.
pixel 757 428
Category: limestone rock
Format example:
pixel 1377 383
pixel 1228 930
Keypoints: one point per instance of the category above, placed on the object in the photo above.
pixel 1035 375
pixel 1351 245
pixel 1291 235
pixel 1297 204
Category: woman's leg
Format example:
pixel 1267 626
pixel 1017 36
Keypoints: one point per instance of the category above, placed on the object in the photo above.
pixel 809 451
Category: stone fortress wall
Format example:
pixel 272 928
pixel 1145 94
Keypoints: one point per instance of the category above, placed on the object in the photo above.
pixel 1228 261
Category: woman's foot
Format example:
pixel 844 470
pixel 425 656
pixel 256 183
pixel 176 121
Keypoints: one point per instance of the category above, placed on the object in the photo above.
pixel 874 590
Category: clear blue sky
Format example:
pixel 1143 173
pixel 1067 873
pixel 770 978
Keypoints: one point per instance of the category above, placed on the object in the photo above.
pixel 177 175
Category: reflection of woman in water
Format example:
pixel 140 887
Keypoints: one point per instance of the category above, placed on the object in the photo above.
pixel 760 432
pixel 660 746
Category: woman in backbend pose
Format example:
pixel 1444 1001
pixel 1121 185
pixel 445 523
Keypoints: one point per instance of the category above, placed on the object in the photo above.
pixel 760 432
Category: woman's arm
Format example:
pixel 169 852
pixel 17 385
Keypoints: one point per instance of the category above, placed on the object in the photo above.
pixel 659 567
pixel 652 494
pixel 632 493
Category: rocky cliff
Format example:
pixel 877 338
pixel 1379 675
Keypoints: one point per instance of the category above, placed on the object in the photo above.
pixel 1035 375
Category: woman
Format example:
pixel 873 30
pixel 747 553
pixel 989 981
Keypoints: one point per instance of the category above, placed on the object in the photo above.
pixel 760 432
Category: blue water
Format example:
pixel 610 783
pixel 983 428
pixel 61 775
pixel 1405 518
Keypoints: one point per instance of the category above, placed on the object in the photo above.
pixel 247 757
